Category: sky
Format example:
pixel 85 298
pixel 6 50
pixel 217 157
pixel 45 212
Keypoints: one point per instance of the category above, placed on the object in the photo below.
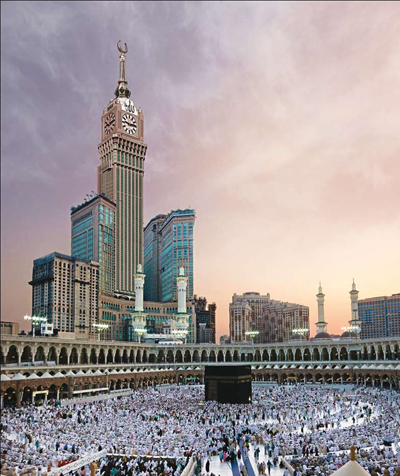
pixel 278 122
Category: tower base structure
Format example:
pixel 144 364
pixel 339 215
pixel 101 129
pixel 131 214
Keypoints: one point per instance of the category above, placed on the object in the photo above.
pixel 228 383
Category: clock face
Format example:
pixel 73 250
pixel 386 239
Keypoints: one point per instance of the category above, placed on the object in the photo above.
pixel 129 124
pixel 128 106
pixel 109 123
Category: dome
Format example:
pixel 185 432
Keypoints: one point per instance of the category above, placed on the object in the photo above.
pixel 348 335
pixel 322 335
pixel 296 337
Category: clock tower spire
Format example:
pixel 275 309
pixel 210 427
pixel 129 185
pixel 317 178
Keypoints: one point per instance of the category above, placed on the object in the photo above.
pixel 122 90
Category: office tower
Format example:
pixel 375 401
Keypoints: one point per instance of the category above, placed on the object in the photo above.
pixel 93 238
pixel 120 177
pixel 152 258
pixel 65 291
pixel 205 320
pixel 271 320
pixel 379 316
pixel 170 242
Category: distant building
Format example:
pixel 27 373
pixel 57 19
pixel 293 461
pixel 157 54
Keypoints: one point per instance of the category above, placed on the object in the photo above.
pixel 152 258
pixel 93 237
pixel 379 316
pixel 269 320
pixel 240 321
pixel 65 291
pixel 169 241
pixel 224 340
pixel 205 320
pixel 8 328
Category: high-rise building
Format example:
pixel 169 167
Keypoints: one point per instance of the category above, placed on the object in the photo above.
pixel 240 321
pixel 271 320
pixel 120 177
pixel 379 316
pixel 169 245
pixel 152 258
pixel 65 291
pixel 205 320
pixel 93 238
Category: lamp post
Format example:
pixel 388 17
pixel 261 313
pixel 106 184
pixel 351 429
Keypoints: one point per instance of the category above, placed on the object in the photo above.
pixel 140 331
pixel 34 320
pixel 301 331
pixel 100 327
pixel 252 334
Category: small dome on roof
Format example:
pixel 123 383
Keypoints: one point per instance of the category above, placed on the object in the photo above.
pixel 348 335
pixel 297 337
pixel 323 335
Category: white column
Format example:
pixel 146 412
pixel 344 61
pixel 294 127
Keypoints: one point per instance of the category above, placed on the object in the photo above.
pixel 139 284
pixel 58 394
pixel 182 285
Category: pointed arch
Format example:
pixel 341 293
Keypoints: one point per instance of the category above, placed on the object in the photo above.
pixel 40 355
pixel 52 355
pixel 84 357
pixel 63 359
pixel 26 354
pixel 73 358
pixel 12 356
pixel 93 356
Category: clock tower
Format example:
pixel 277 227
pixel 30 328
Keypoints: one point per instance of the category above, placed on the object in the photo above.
pixel 120 176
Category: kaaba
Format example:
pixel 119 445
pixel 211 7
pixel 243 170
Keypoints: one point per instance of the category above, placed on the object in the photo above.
pixel 228 383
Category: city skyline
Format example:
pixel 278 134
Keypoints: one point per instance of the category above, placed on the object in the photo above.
pixel 290 160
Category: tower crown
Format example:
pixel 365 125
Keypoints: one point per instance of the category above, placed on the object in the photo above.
pixel 122 90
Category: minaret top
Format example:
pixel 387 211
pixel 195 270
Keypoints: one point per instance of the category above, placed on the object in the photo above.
pixel 353 286
pixel 181 271
pixel 320 292
pixel 122 90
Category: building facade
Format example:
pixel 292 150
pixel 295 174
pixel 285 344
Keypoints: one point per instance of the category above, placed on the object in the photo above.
pixel 379 316
pixel 120 178
pixel 93 237
pixel 240 321
pixel 270 320
pixel 169 244
pixel 152 258
pixel 65 291
pixel 9 328
pixel 119 314
pixel 205 320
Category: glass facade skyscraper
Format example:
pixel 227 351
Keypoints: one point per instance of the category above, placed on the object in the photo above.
pixel 169 242
pixel 93 237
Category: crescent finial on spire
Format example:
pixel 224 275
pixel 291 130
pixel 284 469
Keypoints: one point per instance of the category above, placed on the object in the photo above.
pixel 120 49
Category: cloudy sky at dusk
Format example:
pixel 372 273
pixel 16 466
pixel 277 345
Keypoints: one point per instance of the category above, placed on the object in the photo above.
pixel 278 122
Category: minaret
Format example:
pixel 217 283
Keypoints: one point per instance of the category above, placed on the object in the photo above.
pixel 182 318
pixel 355 321
pixel 321 324
pixel 139 317
pixel 182 281
pixel 139 284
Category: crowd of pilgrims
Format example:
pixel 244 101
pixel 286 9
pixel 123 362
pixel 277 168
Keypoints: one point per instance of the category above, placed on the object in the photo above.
pixel 311 427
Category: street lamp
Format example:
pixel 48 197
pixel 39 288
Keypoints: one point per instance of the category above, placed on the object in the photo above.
pixel 35 320
pixel 301 331
pixel 180 333
pixel 140 331
pixel 252 334
pixel 101 327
